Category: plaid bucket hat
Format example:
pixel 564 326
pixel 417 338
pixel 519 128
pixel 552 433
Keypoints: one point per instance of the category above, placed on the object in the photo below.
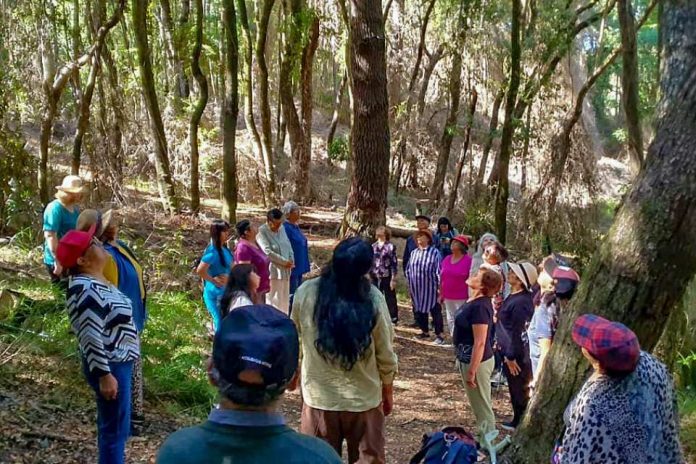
pixel 613 344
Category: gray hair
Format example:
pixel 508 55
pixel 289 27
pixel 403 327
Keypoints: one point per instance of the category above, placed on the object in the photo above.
pixel 289 207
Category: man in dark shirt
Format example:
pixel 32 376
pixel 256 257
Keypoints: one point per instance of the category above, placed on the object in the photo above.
pixel 255 359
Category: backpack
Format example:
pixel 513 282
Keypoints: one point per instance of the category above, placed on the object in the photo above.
pixel 451 445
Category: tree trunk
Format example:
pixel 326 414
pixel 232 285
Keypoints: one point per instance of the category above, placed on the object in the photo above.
pixel 165 183
pixel 119 120
pixel 185 12
pixel 433 60
pixel 199 108
pixel 337 108
pixel 502 192
pixel 473 99
pixel 369 141
pixel 263 15
pixel 492 130
pixel 449 130
pixel 231 112
pixel 629 83
pixel 303 184
pixel 631 278
pixel 249 79
pixel 180 84
pixel 525 150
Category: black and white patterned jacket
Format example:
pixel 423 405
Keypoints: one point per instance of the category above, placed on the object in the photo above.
pixel 101 318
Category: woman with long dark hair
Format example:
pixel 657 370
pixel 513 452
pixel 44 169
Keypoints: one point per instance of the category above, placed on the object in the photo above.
pixel 242 284
pixel 215 264
pixel 348 359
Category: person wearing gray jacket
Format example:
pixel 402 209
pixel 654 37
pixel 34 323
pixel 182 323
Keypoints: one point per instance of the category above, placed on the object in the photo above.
pixel 275 243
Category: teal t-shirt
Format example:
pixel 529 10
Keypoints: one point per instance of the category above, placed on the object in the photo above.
pixel 229 444
pixel 57 218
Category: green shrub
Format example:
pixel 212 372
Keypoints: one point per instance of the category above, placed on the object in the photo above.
pixel 339 150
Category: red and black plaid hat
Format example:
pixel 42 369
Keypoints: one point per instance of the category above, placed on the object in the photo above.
pixel 613 344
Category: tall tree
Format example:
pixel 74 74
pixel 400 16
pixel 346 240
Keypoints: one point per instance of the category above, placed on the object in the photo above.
pixel 502 192
pixel 473 99
pixel 88 92
pixel 248 80
pixel 490 136
pixel 179 79
pixel 230 113
pixel 369 140
pixel 631 277
pixel 629 82
pixel 200 106
pixel 264 9
pixel 165 184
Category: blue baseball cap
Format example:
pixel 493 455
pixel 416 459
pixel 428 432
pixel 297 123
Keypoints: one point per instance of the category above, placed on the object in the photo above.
pixel 259 339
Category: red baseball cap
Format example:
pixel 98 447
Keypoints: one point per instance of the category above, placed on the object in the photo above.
pixel 613 344
pixel 463 239
pixel 73 245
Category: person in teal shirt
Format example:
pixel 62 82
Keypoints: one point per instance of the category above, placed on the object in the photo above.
pixel 255 360
pixel 59 217
pixel 214 269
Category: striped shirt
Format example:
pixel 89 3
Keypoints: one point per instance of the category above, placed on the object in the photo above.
pixel 423 275
pixel 102 318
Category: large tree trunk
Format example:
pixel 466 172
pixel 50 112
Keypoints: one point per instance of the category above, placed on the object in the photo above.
pixel 199 108
pixel 263 15
pixel 449 130
pixel 501 194
pixel 369 141
pixel 629 82
pixel 492 130
pixel 165 183
pixel 231 112
pixel 631 278
pixel 473 99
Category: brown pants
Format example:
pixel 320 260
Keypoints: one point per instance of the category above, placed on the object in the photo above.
pixel 363 432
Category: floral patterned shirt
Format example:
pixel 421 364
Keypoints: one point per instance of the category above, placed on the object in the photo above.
pixel 385 262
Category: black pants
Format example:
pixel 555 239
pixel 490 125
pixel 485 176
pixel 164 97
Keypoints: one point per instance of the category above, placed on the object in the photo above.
pixel 383 285
pixel 436 313
pixel 519 389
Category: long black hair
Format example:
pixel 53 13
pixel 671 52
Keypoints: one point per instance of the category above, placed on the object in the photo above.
pixel 443 221
pixel 238 281
pixel 217 227
pixel 344 313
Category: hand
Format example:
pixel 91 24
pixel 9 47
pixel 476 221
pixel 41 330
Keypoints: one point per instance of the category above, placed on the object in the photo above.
pixel 392 285
pixel 387 399
pixel 289 264
pixel 57 269
pixel 471 378
pixel 220 281
pixel 108 387
pixel 513 367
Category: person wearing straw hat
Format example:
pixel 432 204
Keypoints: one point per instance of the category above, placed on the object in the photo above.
pixel 123 270
pixel 511 332
pixel 626 412
pixel 102 319
pixel 59 217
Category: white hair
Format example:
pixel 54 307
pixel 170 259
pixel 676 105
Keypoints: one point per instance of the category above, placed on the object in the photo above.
pixel 289 207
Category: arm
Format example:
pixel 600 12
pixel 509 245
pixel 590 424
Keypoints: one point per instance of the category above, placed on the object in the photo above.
pixel 387 362
pixel 480 337
pixel 407 255
pixel 202 271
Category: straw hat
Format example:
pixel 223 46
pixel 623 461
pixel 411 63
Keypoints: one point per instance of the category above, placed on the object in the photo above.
pixel 71 184
pixel 92 217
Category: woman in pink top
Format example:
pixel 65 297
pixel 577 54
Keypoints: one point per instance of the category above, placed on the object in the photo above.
pixel 454 273
pixel 248 251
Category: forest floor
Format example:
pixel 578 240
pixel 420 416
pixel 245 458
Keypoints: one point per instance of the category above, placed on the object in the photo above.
pixel 47 412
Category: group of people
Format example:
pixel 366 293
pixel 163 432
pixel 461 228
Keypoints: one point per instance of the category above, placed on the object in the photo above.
pixel 337 343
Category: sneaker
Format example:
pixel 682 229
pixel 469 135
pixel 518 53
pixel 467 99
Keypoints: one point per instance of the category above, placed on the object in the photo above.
pixel 509 426
pixel 439 341
pixel 395 321
pixel 423 335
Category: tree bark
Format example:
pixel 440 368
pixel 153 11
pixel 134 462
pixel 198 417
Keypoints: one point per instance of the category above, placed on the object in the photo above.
pixel 449 130
pixel 165 183
pixel 197 73
pixel 180 84
pixel 631 277
pixel 263 15
pixel 473 99
pixel 492 130
pixel 303 184
pixel 231 112
pixel 249 79
pixel 433 60
pixel 629 83
pixel 502 192
pixel 369 141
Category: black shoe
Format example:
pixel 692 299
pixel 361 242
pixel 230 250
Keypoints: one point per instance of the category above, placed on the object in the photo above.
pixel 423 335
pixel 439 341
pixel 414 325
pixel 509 426
pixel 395 321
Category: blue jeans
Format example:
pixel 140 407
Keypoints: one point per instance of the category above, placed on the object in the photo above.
pixel 295 282
pixel 113 417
